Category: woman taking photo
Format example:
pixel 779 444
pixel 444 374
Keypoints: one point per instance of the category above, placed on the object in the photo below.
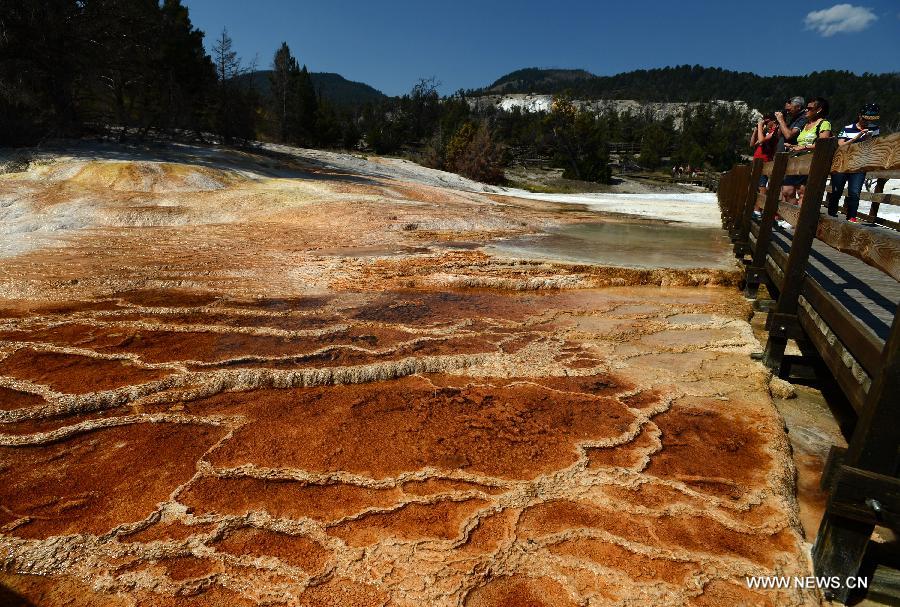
pixel 817 127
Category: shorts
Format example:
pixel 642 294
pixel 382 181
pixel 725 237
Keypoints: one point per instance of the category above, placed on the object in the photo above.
pixel 794 180
pixel 763 181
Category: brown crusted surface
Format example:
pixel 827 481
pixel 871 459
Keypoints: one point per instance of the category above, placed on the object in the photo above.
pixel 635 566
pixel 610 457
pixel 14 399
pixel 339 592
pixel 37 590
pixel 448 457
pixel 37 425
pixel 214 596
pixel 488 431
pixel 165 531
pixel 74 373
pixel 665 531
pixel 520 591
pixel 189 568
pixel 439 520
pixel 434 486
pixel 95 481
pixel 712 452
pixel 294 550
pixel 284 499
pixel 356 409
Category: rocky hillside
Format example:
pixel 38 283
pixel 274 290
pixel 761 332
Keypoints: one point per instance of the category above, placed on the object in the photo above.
pixel 678 85
pixel 655 110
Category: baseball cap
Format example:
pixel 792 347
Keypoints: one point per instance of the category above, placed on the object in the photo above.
pixel 870 112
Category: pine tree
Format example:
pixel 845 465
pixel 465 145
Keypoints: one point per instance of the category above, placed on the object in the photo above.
pixel 235 108
pixel 284 68
pixel 308 108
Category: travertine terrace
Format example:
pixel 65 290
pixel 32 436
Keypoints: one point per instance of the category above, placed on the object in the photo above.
pixel 237 379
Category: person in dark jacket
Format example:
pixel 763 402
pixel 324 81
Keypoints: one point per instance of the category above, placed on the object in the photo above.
pixel 788 128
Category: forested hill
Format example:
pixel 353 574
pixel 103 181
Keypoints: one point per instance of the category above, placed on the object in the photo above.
pixel 333 87
pixel 844 90
pixel 533 79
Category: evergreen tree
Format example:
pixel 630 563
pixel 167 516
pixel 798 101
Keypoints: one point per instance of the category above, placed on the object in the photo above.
pixel 284 68
pixel 293 102
pixel 307 108
pixel 235 105
pixel 185 73
pixel 579 142
pixel 656 137
pixel 38 69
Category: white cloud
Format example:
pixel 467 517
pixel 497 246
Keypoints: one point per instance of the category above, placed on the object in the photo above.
pixel 839 19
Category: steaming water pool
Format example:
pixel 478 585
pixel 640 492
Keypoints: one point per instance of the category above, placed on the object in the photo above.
pixel 625 244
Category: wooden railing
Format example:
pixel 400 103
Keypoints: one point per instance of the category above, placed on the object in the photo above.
pixel 825 274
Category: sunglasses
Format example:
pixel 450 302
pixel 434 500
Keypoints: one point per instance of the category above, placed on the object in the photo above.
pixel 811 108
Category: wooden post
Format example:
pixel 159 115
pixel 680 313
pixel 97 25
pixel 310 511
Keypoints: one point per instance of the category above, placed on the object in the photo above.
pixel 742 246
pixel 757 271
pixel 740 196
pixel 842 540
pixel 783 324
pixel 873 210
pixel 736 200
pixel 727 197
pixel 720 196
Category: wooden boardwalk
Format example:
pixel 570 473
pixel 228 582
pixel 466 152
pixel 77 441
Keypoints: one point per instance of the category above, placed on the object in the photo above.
pixel 859 300
pixel 870 296
pixel 836 286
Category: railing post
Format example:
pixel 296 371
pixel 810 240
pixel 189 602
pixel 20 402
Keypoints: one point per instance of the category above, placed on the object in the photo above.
pixel 723 195
pixel 873 210
pixel 736 200
pixel 757 271
pixel 782 323
pixel 841 541
pixel 742 246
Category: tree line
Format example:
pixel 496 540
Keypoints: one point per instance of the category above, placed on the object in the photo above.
pixel 133 69
pixel 449 134
pixel 846 92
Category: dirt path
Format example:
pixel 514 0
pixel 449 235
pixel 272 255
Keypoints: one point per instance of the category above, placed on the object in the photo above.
pixel 293 397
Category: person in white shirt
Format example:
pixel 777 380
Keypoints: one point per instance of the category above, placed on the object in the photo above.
pixel 864 129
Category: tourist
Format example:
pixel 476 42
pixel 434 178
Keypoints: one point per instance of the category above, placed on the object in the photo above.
pixel 790 124
pixel 817 127
pixel 865 128
pixel 763 142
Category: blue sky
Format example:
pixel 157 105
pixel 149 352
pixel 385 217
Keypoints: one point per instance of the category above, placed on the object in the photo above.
pixel 468 44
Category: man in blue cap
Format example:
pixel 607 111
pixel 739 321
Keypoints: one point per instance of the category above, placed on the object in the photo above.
pixel 864 129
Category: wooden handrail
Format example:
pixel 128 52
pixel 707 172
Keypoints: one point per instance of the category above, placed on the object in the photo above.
pixel 888 199
pixel 879 154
